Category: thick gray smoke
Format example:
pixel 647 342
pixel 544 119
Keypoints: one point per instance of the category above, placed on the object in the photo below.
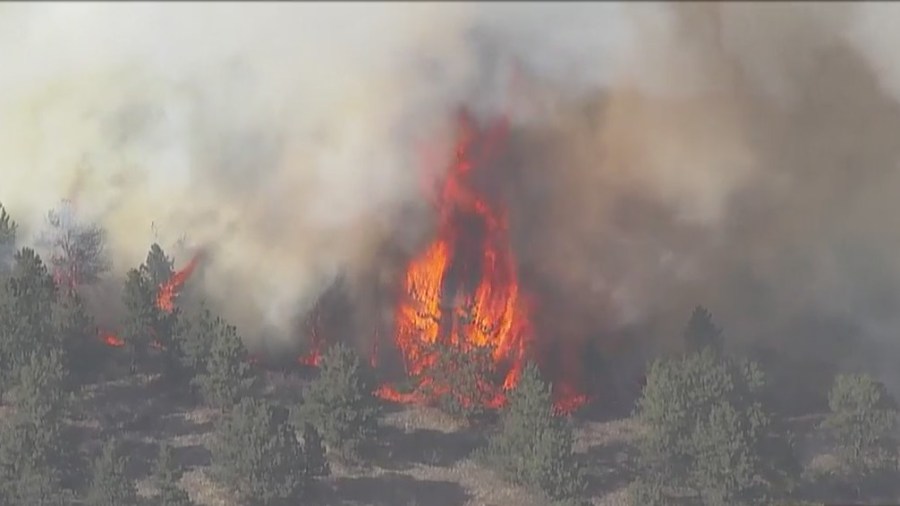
pixel 738 155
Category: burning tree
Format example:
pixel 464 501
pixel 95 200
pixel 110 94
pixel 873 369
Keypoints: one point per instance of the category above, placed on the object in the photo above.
pixel 77 250
pixel 462 292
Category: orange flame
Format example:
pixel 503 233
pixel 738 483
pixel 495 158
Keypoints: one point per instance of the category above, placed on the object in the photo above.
pixel 111 339
pixel 165 296
pixel 463 290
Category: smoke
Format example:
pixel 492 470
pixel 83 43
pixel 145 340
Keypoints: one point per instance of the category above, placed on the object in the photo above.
pixel 737 155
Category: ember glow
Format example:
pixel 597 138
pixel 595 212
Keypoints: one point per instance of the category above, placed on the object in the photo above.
pixel 463 290
pixel 112 340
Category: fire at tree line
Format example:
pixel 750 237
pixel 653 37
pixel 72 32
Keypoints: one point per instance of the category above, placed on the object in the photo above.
pixel 709 431
pixel 709 436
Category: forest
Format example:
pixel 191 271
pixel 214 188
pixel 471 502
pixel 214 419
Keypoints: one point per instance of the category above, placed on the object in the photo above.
pixel 173 410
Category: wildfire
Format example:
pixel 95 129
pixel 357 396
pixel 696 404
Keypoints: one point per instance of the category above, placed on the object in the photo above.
pixel 165 296
pixel 463 291
pixel 111 339
pixel 165 301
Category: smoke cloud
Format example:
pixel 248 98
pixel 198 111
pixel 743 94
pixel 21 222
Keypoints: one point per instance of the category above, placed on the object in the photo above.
pixel 736 155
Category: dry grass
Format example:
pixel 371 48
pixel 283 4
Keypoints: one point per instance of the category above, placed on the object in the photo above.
pixel 423 455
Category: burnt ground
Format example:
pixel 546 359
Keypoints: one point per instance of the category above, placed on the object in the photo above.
pixel 421 457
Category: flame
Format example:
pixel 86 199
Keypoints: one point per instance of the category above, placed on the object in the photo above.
pixel 165 301
pixel 111 339
pixel 463 291
pixel 165 295
pixel 314 356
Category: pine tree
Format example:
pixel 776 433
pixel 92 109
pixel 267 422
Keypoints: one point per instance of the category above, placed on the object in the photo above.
pixel 8 229
pixel 197 335
pixel 460 379
pixel 141 318
pixel 84 352
pixel 228 376
pixel 41 392
pixel 158 266
pixel 26 325
pixel 257 454
pixel 863 420
pixel 110 486
pixel 533 447
pixel 708 434
pixel 167 474
pixel 314 451
pixel 701 332
pixel 339 403
pixel 32 462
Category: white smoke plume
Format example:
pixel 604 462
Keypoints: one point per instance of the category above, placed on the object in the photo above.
pixel 680 153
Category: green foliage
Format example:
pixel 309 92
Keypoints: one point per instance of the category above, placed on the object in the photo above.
pixel 533 447
pixel 700 331
pixel 110 486
pixel 84 351
pixel 141 318
pixel 863 421
pixel 339 403
pixel 158 266
pixel 41 393
pixel 33 462
pixel 459 379
pixel 167 474
pixel 8 229
pixel 707 432
pixel 227 377
pixel 257 454
pixel 26 301
pixel 314 450
pixel 198 333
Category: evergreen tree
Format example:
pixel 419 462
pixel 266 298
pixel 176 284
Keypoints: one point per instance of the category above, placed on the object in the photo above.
pixel 460 379
pixel 167 474
pixel 228 376
pixel 84 351
pixel 701 332
pixel 110 486
pixel 533 447
pixel 339 403
pixel 257 454
pixel 197 336
pixel 41 393
pixel 708 433
pixel 26 324
pixel 8 229
pixel 32 462
pixel 158 266
pixel 863 420
pixel 314 451
pixel 141 318
pixel 35 456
